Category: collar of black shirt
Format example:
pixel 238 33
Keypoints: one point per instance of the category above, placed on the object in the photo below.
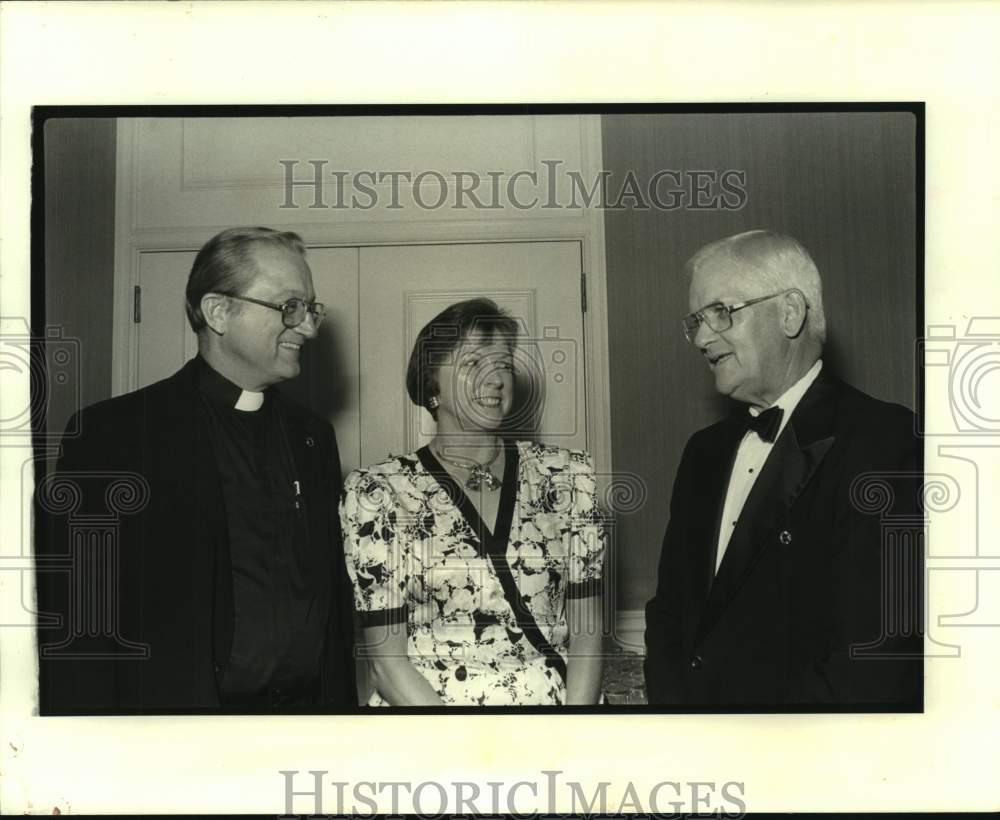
pixel 217 388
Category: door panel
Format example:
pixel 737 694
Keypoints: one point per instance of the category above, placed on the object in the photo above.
pixel 377 300
pixel 403 287
pixel 328 383
pixel 165 340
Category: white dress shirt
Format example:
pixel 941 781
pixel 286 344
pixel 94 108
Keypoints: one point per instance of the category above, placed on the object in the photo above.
pixel 750 457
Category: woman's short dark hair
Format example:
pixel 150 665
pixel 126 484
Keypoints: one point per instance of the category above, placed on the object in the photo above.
pixel 225 265
pixel 441 336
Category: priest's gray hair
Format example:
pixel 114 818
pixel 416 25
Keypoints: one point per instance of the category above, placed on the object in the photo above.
pixel 225 265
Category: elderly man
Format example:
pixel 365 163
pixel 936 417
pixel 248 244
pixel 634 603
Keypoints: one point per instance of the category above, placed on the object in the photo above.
pixel 230 592
pixel 775 588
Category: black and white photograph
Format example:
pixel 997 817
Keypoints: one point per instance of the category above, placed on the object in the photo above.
pixel 378 446
pixel 387 409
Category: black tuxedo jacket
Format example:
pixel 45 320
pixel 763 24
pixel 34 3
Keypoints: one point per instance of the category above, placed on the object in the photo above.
pixel 818 597
pixel 152 642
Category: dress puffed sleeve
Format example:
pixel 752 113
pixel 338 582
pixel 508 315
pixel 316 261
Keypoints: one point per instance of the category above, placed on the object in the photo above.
pixel 375 560
pixel 587 536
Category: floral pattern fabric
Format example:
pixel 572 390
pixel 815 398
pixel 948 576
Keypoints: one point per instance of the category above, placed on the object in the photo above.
pixel 415 557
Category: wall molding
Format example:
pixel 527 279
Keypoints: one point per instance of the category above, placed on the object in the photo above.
pixel 584 225
pixel 629 629
pixel 595 320
pixel 123 335
pixel 528 158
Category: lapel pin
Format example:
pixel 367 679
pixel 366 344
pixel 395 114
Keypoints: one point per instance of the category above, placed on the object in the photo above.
pixel 310 441
pixel 785 537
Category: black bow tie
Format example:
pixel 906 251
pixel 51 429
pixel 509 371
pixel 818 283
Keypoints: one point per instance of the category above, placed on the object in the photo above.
pixel 765 424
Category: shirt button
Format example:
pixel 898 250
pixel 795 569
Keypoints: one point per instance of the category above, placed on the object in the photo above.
pixel 696 662
pixel 785 537
pixel 461 673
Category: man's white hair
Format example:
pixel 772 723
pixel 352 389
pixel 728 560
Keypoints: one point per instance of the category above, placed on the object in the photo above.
pixel 778 262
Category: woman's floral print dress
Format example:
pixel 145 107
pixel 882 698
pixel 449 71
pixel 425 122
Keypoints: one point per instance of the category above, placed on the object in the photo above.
pixel 485 613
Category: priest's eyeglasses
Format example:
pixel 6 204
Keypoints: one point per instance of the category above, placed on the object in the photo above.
pixel 293 311
pixel 719 317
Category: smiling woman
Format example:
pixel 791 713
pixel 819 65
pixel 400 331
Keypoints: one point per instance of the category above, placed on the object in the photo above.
pixel 476 560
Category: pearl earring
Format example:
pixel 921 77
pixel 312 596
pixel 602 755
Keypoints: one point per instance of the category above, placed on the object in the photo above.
pixel 433 403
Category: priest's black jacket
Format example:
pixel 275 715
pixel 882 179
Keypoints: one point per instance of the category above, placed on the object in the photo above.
pixel 134 578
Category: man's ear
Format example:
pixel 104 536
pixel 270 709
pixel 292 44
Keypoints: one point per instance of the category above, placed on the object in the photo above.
pixel 794 309
pixel 216 309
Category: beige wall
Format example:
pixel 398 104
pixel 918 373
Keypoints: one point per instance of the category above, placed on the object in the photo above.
pixel 79 251
pixel 840 183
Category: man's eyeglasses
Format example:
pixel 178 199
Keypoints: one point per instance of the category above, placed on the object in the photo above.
pixel 719 317
pixel 293 311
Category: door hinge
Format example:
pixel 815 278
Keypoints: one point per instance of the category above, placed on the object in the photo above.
pixel 583 292
pixel 137 304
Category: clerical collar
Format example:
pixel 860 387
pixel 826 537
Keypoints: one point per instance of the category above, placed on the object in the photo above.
pixel 223 393
pixel 789 400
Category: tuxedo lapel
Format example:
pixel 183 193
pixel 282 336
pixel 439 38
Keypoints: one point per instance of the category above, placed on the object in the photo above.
pixel 793 461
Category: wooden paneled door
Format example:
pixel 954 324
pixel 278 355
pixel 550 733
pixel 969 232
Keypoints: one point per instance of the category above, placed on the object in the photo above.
pixel 328 383
pixel 377 300
pixel 539 283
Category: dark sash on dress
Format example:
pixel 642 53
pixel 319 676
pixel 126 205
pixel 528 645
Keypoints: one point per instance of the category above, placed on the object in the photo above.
pixel 493 545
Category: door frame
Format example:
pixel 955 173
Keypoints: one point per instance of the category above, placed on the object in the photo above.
pixel 587 228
